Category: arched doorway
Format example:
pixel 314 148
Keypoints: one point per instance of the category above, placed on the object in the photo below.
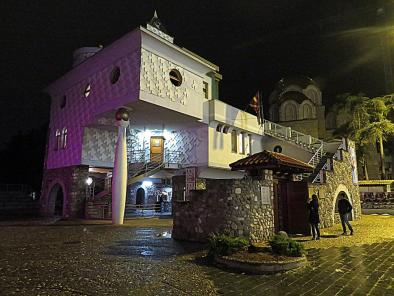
pixel 140 197
pixel 56 201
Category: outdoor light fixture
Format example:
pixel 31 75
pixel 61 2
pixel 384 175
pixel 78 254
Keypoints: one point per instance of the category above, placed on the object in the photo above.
pixel 89 181
pixel 147 183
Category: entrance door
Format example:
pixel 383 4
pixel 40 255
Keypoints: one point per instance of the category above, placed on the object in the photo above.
pixel 156 149
pixel 140 198
pixel 290 210
pixel 297 213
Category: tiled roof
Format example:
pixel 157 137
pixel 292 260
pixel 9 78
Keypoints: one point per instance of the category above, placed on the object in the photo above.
pixel 271 160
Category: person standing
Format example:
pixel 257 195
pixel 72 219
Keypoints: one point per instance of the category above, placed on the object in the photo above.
pixel 314 218
pixel 344 209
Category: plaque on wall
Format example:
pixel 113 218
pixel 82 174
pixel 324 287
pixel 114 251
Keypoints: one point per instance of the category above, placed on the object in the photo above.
pixel 265 195
pixel 200 184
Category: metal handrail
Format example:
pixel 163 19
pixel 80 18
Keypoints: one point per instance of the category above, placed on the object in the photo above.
pixel 290 134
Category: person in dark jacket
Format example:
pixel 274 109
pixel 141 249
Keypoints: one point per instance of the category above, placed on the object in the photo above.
pixel 344 209
pixel 314 218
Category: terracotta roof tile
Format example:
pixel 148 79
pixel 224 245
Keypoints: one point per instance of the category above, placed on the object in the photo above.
pixel 271 160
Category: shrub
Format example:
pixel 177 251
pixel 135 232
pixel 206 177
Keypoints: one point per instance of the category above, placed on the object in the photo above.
pixel 223 245
pixel 283 245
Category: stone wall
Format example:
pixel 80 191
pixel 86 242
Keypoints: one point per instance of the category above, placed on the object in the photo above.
pixel 337 180
pixel 72 181
pixel 233 207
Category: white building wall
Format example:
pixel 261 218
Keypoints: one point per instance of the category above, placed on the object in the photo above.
pixel 157 60
pixel 269 143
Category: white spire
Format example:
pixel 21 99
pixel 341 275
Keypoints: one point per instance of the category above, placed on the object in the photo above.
pixel 155 14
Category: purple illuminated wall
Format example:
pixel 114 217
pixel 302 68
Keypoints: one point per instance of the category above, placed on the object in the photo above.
pixel 79 111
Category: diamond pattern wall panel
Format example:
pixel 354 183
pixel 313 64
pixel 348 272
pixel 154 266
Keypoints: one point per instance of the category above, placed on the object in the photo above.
pixel 155 79
pixel 98 145
pixel 187 142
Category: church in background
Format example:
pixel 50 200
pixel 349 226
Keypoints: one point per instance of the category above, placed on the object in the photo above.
pixel 296 102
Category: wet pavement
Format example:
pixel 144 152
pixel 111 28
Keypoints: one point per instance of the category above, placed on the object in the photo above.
pixel 142 259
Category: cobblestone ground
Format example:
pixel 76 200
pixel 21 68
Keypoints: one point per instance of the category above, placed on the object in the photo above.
pixel 141 259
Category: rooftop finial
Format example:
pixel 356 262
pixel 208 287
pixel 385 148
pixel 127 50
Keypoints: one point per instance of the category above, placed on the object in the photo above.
pixel 155 26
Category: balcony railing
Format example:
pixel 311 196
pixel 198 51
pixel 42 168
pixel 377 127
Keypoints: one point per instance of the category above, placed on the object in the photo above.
pixel 170 157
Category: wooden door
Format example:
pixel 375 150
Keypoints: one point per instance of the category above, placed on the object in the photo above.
pixel 297 213
pixel 156 149
pixel 280 205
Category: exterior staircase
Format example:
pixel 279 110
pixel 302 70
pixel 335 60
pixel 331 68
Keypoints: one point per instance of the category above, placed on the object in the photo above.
pixel 140 170
pixel 321 160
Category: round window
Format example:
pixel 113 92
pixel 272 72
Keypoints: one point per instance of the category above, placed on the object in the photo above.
pixel 278 149
pixel 175 77
pixel 87 91
pixel 63 102
pixel 115 74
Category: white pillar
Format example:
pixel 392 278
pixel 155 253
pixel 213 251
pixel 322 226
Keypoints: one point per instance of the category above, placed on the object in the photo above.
pixel 119 175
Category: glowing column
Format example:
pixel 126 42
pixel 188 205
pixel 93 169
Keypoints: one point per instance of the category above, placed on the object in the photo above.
pixel 119 175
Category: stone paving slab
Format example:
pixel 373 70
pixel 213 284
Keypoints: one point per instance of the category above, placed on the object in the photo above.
pixel 99 259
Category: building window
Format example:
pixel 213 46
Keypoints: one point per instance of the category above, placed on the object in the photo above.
pixel 58 140
pixel 242 143
pixel 175 77
pixel 248 143
pixel 278 149
pixel 63 102
pixel 87 90
pixel 290 112
pixel 115 74
pixel 64 138
pixel 307 111
pixel 234 141
pixel 205 89
pixel 219 128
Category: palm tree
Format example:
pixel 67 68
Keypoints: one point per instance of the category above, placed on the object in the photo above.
pixel 378 128
pixel 353 112
pixel 368 122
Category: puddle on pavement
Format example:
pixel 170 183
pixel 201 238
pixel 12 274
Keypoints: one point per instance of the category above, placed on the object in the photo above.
pixel 147 253
pixel 164 234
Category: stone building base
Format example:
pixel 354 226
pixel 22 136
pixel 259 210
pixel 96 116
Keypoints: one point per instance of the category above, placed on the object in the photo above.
pixel 67 183
pixel 236 207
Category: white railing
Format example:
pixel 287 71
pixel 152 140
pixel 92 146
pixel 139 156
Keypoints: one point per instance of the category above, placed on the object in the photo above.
pixel 287 133
pixel 315 159
pixel 141 161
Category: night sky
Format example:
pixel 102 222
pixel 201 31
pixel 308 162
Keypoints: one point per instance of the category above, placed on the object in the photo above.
pixel 255 43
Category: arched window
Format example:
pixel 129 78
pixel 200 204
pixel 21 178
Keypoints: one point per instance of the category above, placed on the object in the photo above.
pixel 290 112
pixel 64 138
pixel 307 111
pixel 58 140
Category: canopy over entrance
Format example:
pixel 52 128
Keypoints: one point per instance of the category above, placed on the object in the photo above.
pixel 272 161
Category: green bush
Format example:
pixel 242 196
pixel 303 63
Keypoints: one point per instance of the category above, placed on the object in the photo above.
pixel 223 245
pixel 283 245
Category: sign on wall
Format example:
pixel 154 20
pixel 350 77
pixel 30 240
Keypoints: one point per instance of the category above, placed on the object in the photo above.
pixel 265 195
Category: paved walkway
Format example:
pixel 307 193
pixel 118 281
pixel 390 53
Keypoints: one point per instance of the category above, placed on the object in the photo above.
pixel 142 259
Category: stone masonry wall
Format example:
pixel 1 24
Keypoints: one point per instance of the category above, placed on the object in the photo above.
pixel 340 179
pixel 234 207
pixel 72 181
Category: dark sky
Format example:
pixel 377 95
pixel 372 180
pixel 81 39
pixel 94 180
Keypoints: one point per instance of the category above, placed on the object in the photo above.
pixel 255 43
